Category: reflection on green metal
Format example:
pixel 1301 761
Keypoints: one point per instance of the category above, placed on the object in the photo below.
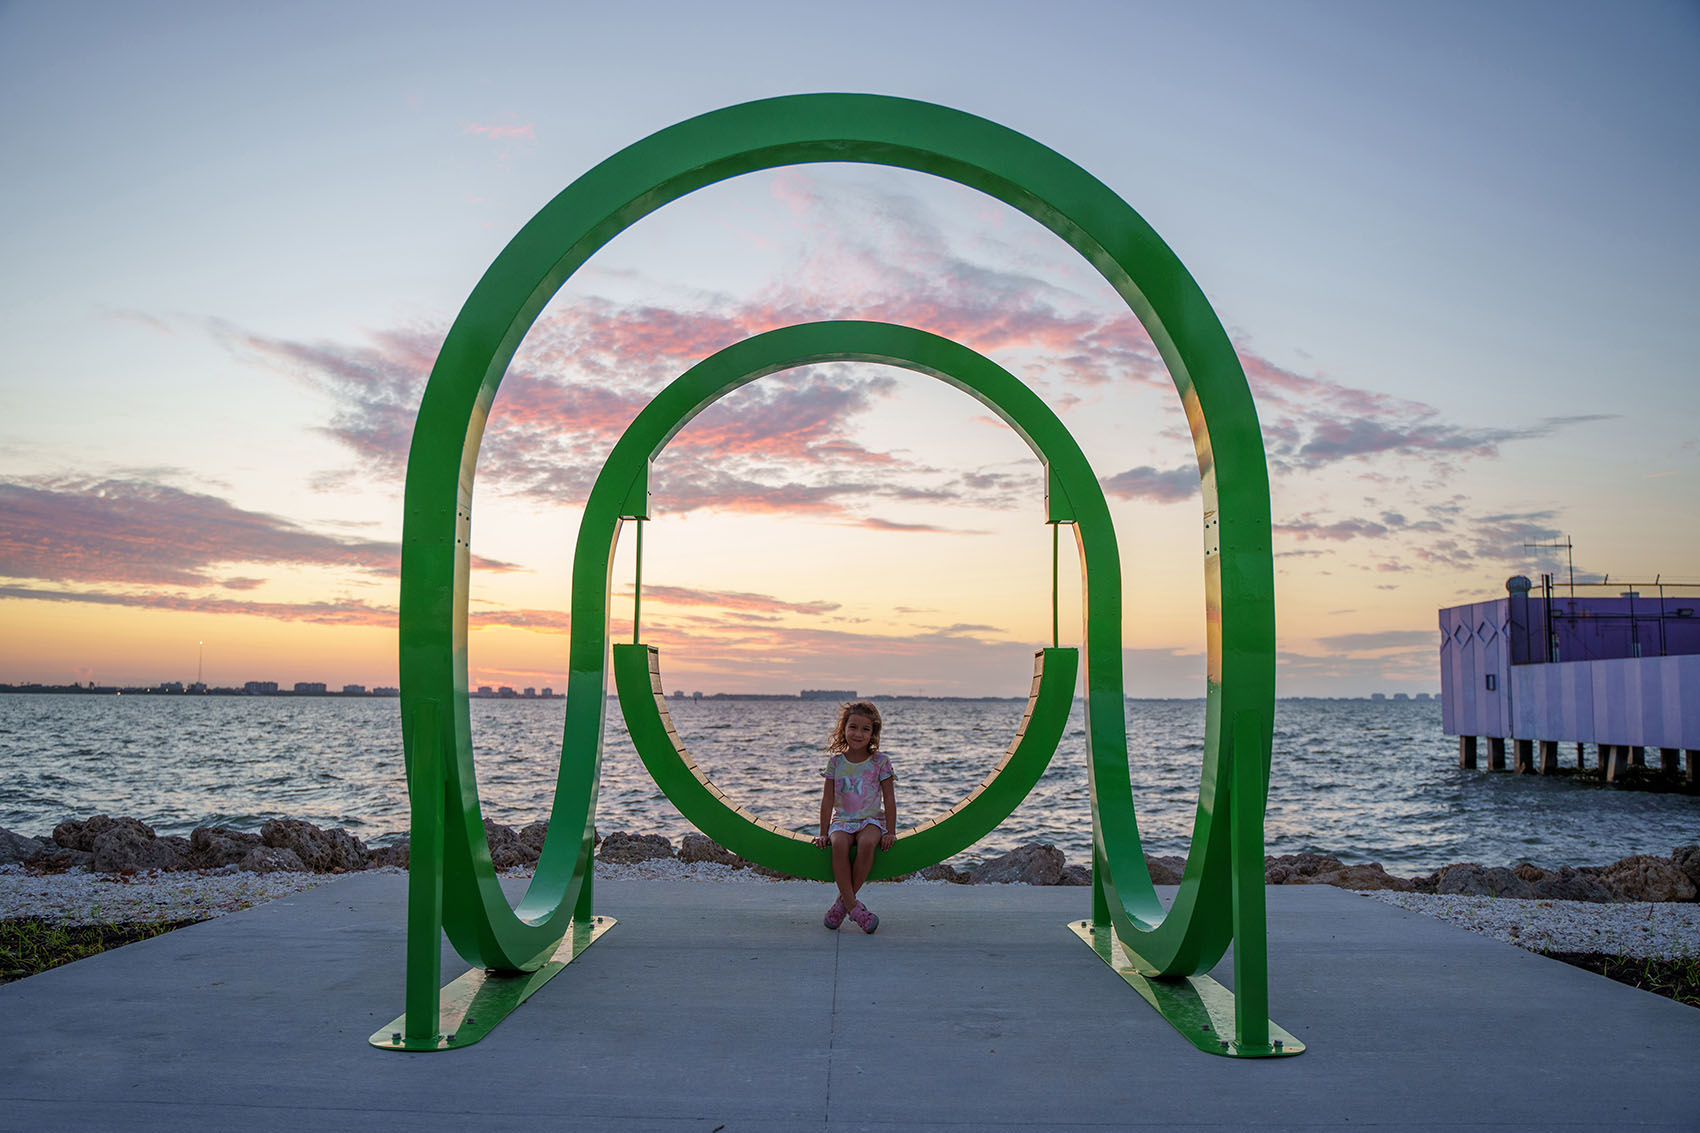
pixel 1197 1006
pixel 471 1006
pixel 1220 899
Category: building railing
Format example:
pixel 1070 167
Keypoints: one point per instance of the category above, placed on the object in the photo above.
pixel 1606 620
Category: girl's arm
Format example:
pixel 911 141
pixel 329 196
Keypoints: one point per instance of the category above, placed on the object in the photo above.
pixel 890 794
pixel 827 798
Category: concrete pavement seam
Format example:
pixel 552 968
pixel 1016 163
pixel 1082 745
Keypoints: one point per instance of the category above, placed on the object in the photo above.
pixel 831 1031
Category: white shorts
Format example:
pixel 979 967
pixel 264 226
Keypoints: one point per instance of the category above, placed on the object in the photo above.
pixel 852 827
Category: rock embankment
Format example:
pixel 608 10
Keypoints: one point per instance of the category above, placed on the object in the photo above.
pixel 286 845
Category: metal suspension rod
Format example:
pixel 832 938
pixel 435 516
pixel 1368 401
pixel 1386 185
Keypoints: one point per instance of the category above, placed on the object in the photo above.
pixel 1055 538
pixel 637 585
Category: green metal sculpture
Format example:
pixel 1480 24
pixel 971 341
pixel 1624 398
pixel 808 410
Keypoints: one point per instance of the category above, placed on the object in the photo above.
pixel 453 887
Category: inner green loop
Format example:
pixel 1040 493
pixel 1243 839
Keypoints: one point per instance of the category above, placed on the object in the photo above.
pixel 620 492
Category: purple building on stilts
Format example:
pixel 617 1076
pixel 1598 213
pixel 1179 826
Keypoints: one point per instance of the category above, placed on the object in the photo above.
pixel 1617 666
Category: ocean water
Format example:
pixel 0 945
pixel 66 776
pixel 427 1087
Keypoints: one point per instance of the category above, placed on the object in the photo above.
pixel 1365 780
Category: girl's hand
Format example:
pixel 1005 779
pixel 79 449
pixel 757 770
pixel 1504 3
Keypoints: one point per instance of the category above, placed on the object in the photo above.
pixel 820 840
pixel 887 841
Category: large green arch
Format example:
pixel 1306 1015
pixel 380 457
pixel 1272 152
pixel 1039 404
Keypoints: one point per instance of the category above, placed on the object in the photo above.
pixel 1214 904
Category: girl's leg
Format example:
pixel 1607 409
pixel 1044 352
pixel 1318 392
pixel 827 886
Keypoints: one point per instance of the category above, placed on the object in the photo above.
pixel 841 869
pixel 867 844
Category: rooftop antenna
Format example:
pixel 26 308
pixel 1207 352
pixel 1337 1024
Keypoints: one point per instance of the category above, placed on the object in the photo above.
pixel 201 663
pixel 1569 557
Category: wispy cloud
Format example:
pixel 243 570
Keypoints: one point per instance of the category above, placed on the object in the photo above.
pixel 345 612
pixel 524 132
pixel 142 532
pixel 794 447
pixel 587 368
pixel 1164 486
pixel 734 600
pixel 1378 642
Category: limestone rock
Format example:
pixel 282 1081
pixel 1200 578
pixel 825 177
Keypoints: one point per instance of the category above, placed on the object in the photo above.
pixel 215 846
pixel 1165 869
pixel 75 835
pixel 57 859
pixel 625 848
pixel 273 859
pixel 393 855
pixel 1371 876
pixel 1563 884
pixel 534 834
pixel 1299 869
pixel 129 845
pixel 1324 869
pixel 1687 859
pixel 1646 878
pixel 1036 863
pixel 1468 879
pixel 16 848
pixel 943 872
pixel 701 848
pixel 507 851
pixel 322 851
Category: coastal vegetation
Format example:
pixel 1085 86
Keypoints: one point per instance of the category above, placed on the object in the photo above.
pixel 1677 979
pixel 34 944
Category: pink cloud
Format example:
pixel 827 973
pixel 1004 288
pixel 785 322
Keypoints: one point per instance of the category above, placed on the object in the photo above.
pixel 1164 486
pixel 347 612
pixel 141 532
pixel 793 446
pixel 731 600
pixel 523 133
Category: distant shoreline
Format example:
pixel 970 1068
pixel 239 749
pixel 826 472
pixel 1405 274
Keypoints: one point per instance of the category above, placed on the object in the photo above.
pixel 390 693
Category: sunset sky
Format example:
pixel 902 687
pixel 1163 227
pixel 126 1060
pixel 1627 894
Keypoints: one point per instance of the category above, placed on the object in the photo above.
pixel 1457 246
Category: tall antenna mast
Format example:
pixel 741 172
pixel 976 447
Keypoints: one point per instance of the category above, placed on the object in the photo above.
pixel 1569 557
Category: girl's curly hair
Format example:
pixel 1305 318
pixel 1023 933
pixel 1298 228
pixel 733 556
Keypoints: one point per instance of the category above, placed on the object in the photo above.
pixel 838 744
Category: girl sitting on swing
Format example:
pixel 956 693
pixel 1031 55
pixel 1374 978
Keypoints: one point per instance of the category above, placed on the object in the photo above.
pixel 858 806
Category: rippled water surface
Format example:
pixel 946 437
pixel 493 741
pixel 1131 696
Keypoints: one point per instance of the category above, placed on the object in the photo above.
pixel 1367 780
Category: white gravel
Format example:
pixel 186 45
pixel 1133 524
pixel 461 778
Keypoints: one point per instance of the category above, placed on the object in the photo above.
pixel 1648 930
pixel 1654 931
pixel 79 896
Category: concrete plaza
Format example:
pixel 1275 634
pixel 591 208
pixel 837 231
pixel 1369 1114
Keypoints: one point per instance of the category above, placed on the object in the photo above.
pixel 727 1006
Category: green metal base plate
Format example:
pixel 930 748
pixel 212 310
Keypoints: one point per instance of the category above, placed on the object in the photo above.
pixel 471 1006
pixel 1196 1006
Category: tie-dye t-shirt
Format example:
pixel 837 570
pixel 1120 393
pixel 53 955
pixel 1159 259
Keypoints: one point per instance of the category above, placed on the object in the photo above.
pixel 857 798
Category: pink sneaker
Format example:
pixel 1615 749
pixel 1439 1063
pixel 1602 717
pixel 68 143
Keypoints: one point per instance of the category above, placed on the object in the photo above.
pixel 835 915
pixel 864 917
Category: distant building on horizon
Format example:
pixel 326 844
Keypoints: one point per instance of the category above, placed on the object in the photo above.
pixel 354 690
pixel 311 688
pixel 260 688
pixel 829 694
